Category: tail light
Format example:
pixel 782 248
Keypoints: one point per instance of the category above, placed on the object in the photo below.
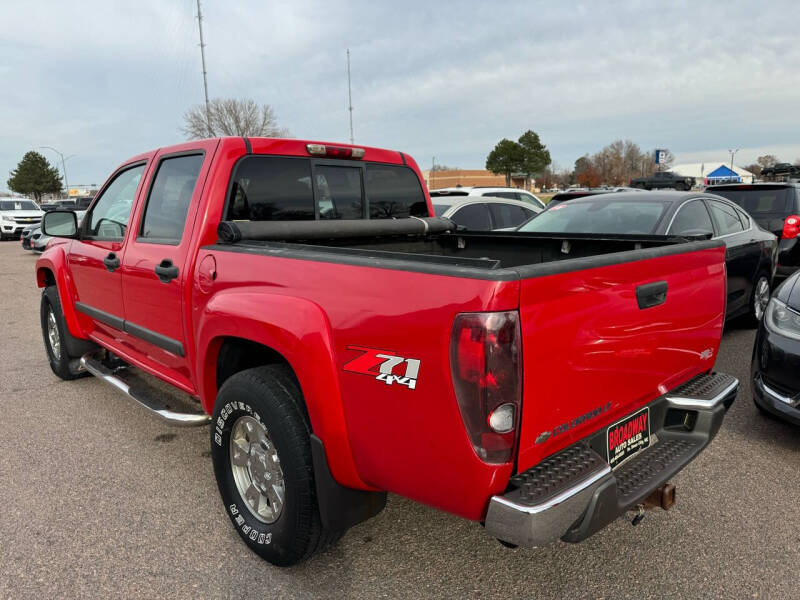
pixel 485 361
pixel 334 151
pixel 791 227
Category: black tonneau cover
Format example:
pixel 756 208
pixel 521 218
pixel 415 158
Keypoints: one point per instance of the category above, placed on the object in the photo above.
pixel 231 232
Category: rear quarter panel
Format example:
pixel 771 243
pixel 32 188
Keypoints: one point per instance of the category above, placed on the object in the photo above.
pixel 408 441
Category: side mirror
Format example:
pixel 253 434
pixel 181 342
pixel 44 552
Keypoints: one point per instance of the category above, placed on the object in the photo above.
pixel 60 223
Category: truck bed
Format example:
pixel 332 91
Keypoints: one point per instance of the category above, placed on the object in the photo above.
pixel 503 256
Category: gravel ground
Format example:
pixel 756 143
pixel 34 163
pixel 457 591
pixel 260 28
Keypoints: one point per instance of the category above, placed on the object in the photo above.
pixel 101 500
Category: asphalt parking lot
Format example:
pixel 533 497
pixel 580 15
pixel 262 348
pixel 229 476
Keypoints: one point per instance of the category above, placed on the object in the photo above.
pixel 98 499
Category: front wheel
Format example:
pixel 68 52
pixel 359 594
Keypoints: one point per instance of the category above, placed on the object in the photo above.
pixel 261 450
pixel 57 339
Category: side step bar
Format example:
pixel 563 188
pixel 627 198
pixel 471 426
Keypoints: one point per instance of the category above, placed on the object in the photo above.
pixel 143 397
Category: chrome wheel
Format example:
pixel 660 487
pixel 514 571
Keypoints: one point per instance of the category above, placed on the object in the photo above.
pixel 52 334
pixel 761 297
pixel 256 469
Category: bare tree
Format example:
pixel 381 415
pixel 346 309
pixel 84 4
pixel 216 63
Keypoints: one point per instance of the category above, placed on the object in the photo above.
pixel 754 168
pixel 768 160
pixel 619 162
pixel 234 117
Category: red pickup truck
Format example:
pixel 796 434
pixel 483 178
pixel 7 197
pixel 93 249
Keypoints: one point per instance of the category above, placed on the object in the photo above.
pixel 342 343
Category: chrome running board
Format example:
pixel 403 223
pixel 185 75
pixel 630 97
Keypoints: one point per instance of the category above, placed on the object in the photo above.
pixel 143 396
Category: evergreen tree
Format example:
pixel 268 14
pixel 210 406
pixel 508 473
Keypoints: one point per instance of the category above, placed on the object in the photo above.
pixel 34 176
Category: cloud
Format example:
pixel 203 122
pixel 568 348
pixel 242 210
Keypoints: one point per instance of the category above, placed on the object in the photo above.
pixel 106 80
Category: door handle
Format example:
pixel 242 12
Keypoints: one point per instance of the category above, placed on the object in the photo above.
pixel 166 271
pixel 651 294
pixel 111 262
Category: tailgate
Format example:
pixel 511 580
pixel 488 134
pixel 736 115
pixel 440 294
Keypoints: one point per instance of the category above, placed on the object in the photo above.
pixel 592 355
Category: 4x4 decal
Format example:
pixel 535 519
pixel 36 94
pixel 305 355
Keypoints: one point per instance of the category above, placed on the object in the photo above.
pixel 382 365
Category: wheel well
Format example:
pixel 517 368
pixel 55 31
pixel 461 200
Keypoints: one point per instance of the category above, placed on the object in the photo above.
pixel 237 354
pixel 45 278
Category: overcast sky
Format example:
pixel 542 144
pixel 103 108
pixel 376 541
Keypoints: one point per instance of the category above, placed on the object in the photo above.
pixel 104 80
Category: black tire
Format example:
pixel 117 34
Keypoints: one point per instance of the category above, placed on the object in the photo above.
pixel 270 395
pixel 680 187
pixel 65 361
pixel 751 319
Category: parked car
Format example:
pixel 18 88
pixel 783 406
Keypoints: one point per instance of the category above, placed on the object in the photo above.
pixel 338 360
pixel 33 239
pixel 25 236
pixel 775 367
pixel 495 192
pixel 15 215
pixel 661 180
pixel 483 213
pixel 776 208
pixel 751 251
pixel 76 203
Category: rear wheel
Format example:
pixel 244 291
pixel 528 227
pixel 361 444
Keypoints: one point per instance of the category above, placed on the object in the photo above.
pixel 261 450
pixel 759 298
pixel 680 187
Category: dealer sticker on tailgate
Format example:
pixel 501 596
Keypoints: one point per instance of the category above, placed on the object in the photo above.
pixel 628 436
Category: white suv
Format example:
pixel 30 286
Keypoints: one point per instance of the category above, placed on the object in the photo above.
pixel 15 215
pixel 495 192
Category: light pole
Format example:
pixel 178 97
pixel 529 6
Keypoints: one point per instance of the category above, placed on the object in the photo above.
pixel 733 153
pixel 63 165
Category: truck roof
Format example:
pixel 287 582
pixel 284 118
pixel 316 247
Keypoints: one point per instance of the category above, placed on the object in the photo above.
pixel 288 147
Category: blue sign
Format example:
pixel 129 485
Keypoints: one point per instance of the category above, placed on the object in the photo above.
pixel 661 157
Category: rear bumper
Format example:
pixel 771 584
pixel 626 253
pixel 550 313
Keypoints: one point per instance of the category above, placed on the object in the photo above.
pixel 574 493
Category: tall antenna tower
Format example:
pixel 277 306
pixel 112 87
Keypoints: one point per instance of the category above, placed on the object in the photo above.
pixel 349 96
pixel 203 59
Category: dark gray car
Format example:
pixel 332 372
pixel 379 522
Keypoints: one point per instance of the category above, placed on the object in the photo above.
pixel 751 251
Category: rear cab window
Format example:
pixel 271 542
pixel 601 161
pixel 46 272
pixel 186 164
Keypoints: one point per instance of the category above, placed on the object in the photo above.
pixel 275 188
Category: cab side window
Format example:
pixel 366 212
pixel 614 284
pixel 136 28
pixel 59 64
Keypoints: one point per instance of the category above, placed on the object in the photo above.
pixel 170 195
pixel 109 218
pixel 692 219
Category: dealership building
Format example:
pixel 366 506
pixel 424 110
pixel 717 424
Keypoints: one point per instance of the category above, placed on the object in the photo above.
pixel 711 173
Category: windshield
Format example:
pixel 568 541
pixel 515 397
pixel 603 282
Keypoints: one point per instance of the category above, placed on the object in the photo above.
pixel 599 216
pixel 757 200
pixel 17 205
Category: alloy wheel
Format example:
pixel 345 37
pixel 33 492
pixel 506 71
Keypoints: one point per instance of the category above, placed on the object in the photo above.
pixel 256 469
pixel 761 297
pixel 52 334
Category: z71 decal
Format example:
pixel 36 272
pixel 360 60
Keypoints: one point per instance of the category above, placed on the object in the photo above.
pixel 384 366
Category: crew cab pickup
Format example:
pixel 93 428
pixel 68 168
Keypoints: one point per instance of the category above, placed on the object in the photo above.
pixel 662 180
pixel 342 344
